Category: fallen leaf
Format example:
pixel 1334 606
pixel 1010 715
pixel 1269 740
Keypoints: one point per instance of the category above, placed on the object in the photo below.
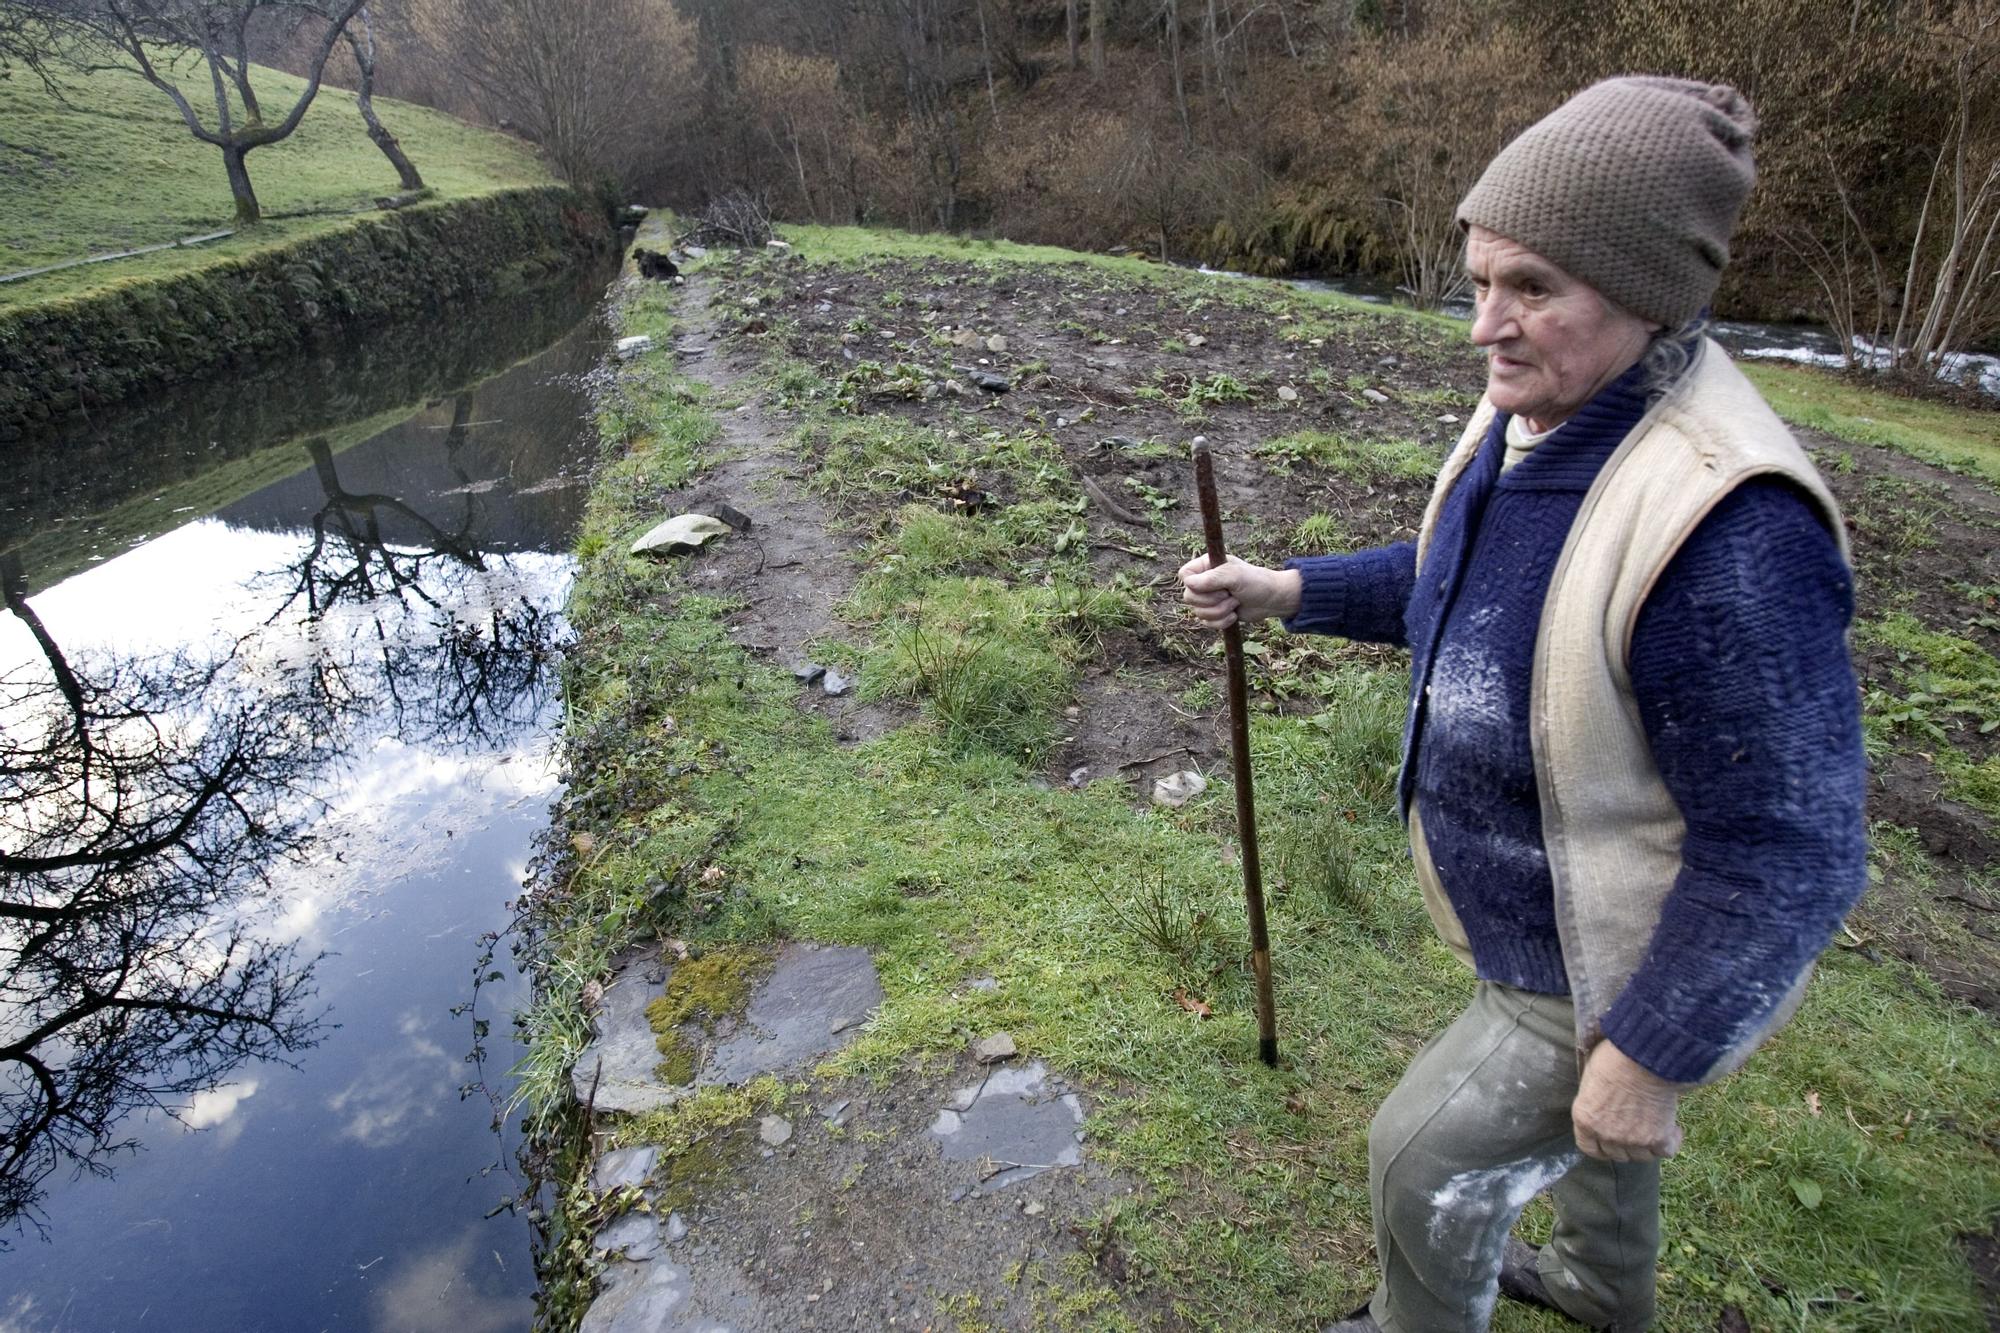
pixel 1812 1103
pixel 1199 1008
pixel 583 844
pixel 1807 1192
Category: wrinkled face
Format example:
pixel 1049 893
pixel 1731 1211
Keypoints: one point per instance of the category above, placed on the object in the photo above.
pixel 1551 341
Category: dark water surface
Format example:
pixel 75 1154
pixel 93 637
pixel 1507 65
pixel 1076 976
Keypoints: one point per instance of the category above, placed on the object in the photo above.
pixel 287 646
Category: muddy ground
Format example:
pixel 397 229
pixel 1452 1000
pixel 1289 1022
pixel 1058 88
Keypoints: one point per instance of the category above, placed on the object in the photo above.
pixel 1122 376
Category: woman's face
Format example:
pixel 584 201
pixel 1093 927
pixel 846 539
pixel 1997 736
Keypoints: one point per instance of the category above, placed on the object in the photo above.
pixel 1551 340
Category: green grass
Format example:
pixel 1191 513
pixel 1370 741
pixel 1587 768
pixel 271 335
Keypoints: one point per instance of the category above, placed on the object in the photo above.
pixel 1942 684
pixel 939 852
pixel 1352 456
pixel 116 168
pixel 1959 438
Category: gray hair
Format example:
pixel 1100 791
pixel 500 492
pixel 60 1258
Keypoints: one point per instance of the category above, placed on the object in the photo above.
pixel 1669 354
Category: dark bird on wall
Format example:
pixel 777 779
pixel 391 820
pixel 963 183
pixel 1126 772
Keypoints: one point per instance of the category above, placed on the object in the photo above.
pixel 656 266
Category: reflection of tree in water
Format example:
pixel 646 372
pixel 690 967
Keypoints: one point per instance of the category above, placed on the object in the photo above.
pixel 139 802
pixel 136 801
pixel 456 651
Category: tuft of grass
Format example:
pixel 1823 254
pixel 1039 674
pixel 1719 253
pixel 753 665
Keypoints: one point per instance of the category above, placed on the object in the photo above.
pixel 1946 688
pixel 1351 455
pixel 980 659
pixel 1318 532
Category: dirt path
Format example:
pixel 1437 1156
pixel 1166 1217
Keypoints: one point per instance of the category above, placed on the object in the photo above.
pixel 795 568
pixel 970 1190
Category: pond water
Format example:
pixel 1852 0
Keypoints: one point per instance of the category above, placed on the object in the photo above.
pixel 279 708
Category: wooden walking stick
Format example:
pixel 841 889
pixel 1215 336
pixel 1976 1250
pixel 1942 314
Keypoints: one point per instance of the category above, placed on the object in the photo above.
pixel 1239 751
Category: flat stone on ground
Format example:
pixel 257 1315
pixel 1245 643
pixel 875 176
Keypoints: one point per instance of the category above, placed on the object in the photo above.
pixel 635 1235
pixel 623 1168
pixel 1015 1120
pixel 991 1050
pixel 615 1072
pixel 809 1005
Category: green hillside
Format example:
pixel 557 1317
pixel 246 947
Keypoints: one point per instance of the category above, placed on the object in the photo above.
pixel 112 167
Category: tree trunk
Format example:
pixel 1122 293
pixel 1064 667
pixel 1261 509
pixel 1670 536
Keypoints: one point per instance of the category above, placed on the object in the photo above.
pixel 406 170
pixel 1069 27
pixel 364 98
pixel 1097 37
pixel 1171 12
pixel 247 212
pixel 986 55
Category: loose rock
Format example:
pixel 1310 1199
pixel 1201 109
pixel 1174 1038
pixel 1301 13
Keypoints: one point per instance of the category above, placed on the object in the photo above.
pixel 1287 394
pixel 834 683
pixel 1177 789
pixel 637 345
pixel 997 343
pixel 1375 395
pixel 808 672
pixel 623 1168
pixel 680 534
pixel 992 1050
pixel 775 1130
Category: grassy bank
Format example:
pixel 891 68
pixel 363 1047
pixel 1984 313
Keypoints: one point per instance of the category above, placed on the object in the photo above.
pixel 70 166
pixel 1824 1187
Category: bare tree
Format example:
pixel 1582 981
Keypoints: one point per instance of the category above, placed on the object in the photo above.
pixel 1951 284
pixel 362 45
pixel 592 83
pixel 164 40
pixel 1408 103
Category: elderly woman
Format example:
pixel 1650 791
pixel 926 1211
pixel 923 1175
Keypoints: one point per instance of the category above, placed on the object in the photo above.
pixel 1632 769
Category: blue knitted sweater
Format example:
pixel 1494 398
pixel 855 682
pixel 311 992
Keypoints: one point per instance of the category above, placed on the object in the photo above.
pixel 1740 671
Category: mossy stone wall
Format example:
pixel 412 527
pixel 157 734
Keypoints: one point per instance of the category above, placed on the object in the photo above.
pixel 88 352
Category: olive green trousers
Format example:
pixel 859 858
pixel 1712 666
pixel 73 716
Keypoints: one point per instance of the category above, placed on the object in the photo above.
pixel 1479 1125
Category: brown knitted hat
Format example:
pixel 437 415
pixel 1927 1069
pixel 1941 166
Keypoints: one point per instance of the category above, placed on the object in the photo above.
pixel 1633 185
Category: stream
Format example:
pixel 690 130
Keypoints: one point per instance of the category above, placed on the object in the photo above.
pixel 1803 344
pixel 278 706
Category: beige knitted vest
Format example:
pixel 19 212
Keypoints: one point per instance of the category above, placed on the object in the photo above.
pixel 1610 826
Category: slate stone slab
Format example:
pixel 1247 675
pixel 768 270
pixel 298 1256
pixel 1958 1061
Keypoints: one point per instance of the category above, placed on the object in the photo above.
pixel 643 1298
pixel 807 1008
pixel 620 1062
pixel 635 1235
pixel 623 1168
pixel 1015 1119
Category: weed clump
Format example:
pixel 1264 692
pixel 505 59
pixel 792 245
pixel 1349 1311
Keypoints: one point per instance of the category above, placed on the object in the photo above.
pixel 981 660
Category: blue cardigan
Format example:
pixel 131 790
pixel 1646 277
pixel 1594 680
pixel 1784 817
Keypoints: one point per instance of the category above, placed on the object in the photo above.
pixel 1740 671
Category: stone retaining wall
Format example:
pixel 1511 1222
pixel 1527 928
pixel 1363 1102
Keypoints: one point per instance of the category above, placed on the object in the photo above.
pixel 88 352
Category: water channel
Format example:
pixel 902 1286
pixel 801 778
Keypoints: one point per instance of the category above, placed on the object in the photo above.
pixel 277 720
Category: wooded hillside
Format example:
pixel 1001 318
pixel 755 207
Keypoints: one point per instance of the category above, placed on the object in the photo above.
pixel 1276 135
